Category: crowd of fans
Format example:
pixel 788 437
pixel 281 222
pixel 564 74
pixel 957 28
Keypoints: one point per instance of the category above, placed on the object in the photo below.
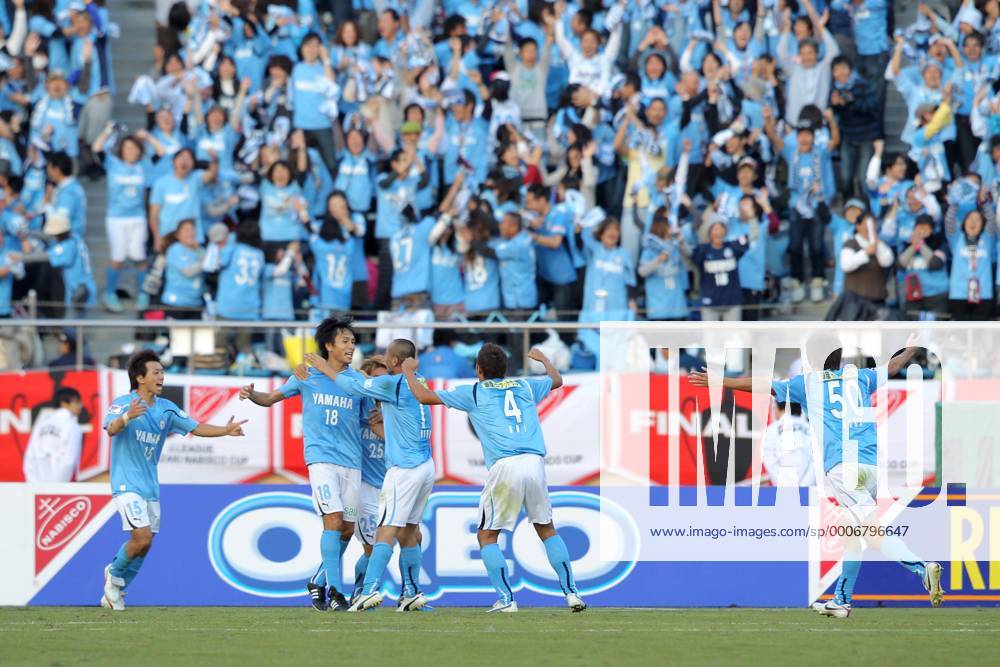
pixel 598 159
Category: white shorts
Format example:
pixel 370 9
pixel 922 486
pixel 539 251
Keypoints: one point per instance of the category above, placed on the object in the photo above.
pixel 404 494
pixel 137 512
pixel 127 239
pixel 367 521
pixel 335 489
pixel 515 482
pixel 857 500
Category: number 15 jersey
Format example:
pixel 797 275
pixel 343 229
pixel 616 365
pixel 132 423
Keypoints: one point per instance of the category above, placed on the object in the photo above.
pixel 504 413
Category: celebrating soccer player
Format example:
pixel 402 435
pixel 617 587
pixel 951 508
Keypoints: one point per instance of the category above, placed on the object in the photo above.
pixel 408 480
pixel 505 416
pixel 331 425
pixel 840 396
pixel 139 423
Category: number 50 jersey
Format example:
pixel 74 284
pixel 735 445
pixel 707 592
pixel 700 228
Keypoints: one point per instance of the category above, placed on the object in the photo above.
pixel 504 413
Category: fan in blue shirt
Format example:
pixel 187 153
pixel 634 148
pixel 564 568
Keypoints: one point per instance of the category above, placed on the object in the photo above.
pixel 410 248
pixel 516 252
pixel 610 271
pixel 278 297
pixel 553 235
pixel 504 415
pixel 177 196
pixel 138 424
pixel 241 269
pixel 661 263
pixel 283 211
pixel 69 197
pixel 332 249
pixel 183 285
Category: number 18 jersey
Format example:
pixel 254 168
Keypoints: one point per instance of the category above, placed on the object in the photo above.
pixel 504 414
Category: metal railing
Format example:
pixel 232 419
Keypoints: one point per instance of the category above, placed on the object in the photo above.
pixel 81 327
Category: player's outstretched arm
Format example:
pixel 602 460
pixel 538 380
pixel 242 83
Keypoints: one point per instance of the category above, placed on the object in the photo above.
pixel 900 361
pixel 260 398
pixel 233 428
pixel 700 379
pixel 550 370
pixel 420 392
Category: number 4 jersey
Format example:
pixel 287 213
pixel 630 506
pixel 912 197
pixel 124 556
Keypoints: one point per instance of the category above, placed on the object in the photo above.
pixel 331 419
pixel 504 414
pixel 838 399
pixel 135 451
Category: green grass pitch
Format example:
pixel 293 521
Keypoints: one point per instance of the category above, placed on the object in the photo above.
pixel 601 636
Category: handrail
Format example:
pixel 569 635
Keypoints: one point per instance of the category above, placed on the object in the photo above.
pixel 273 324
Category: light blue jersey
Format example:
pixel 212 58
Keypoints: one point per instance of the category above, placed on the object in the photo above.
pixel 69 198
pixel 504 414
pixel 373 454
pixel 135 451
pixel 517 270
pixel 843 395
pixel 411 258
pixel 183 284
pixel 407 421
pixel 331 418
pixel 332 274
pixel 126 188
pixel 179 200
pixel 240 282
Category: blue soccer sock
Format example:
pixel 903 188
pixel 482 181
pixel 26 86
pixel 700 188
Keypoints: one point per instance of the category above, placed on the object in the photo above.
pixel 343 546
pixel 377 562
pixel 359 573
pixel 496 568
pixel 120 564
pixel 140 277
pixel 558 555
pixel 848 576
pixel 409 569
pixel 329 548
pixel 894 548
pixel 319 579
pixel 111 280
pixel 133 569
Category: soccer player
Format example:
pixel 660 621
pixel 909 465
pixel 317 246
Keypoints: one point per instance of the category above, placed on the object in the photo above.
pixel 408 479
pixel 372 473
pixel 331 423
pixel 505 416
pixel 138 424
pixel 839 396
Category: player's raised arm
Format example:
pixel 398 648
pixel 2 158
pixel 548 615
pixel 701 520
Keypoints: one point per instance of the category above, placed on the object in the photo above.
pixel 550 370
pixel 263 399
pixel 700 379
pixel 232 428
pixel 135 410
pixel 899 362
pixel 419 389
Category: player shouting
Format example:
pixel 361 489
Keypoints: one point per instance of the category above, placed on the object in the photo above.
pixel 139 423
pixel 408 481
pixel 505 416
pixel 835 398
pixel 331 426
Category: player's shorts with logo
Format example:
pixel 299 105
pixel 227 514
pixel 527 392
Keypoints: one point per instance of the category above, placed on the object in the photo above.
pixel 335 488
pixel 515 482
pixel 856 499
pixel 127 238
pixel 404 494
pixel 138 512
pixel 367 521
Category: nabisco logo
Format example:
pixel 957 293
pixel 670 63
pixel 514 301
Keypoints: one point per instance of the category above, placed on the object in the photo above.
pixel 58 519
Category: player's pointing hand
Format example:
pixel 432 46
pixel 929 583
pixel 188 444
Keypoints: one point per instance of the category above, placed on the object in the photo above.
pixel 301 372
pixel 410 365
pixel 246 392
pixel 698 378
pixel 235 428
pixel 537 355
pixel 136 409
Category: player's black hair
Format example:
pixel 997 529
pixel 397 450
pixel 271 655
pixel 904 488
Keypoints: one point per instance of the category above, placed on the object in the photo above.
pixel 538 190
pixel 328 329
pixel 795 409
pixel 137 366
pixel 443 337
pixel 452 23
pixel 65 395
pixel 402 348
pixel 524 41
pixel 491 361
pixel 841 60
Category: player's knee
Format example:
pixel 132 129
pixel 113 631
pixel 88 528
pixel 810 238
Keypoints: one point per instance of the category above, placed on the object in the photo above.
pixel 545 530
pixel 142 540
pixel 487 537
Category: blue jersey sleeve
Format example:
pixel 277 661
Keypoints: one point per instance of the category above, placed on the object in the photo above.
pixel 180 421
pixel 790 391
pixel 540 387
pixel 873 378
pixel 382 388
pixel 117 408
pixel 459 398
pixel 292 387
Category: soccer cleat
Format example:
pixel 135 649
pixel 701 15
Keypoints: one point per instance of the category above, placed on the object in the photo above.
pixel 575 602
pixel 932 582
pixel 412 603
pixel 796 291
pixel 503 607
pixel 832 609
pixel 366 602
pixel 337 601
pixel 112 303
pixel 114 597
pixel 318 595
